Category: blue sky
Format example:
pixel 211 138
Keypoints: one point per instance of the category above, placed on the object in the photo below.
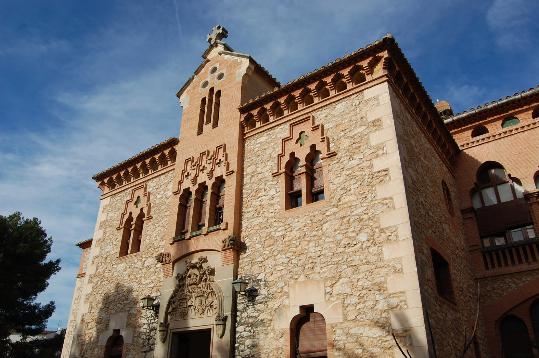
pixel 85 84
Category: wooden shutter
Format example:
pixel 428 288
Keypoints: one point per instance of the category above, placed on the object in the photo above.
pixel 312 340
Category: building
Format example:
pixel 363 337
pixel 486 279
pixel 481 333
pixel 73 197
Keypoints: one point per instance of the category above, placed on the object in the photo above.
pixel 355 218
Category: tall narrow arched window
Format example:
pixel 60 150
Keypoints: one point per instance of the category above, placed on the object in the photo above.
pixel 184 213
pixel 494 186
pixel 293 183
pixel 126 235
pixel 216 108
pixel 115 345
pixel 137 233
pixel 201 116
pixel 536 179
pixel 199 208
pixel 315 179
pixel 308 336
pixel 515 339
pixel 217 203
pixel 209 106
pixel 447 198
pixel 479 130
pixel 510 121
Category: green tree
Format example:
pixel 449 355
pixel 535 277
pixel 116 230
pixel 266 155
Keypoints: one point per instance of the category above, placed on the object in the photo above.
pixel 24 273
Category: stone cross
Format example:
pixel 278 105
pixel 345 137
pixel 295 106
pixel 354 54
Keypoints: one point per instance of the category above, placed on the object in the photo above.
pixel 217 34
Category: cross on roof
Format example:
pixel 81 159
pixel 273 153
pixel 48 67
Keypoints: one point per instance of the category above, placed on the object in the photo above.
pixel 217 34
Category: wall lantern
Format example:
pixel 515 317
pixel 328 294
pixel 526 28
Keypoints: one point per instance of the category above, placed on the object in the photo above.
pixel 151 303
pixel 240 286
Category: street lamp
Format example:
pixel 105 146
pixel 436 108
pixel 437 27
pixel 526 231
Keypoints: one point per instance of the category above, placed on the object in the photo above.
pixel 240 286
pixel 150 303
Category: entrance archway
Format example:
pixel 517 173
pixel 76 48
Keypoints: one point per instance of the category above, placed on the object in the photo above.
pixel 515 338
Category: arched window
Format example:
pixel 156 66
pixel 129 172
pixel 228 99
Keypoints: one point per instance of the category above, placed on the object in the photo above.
pixel 115 345
pixel 250 122
pixel 217 203
pixel 263 115
pixel 515 339
pixel 338 83
pixel 510 121
pixel 494 186
pixel 479 130
pixel 209 107
pixel 315 180
pixel 536 179
pixel 184 213
pixel 199 208
pixel 126 235
pixel 535 113
pixel 306 97
pixel 216 108
pixel 291 104
pixel 447 198
pixel 356 75
pixel 137 232
pixel 308 334
pixel 201 116
pixel 322 90
pixel 293 183
pixel 277 110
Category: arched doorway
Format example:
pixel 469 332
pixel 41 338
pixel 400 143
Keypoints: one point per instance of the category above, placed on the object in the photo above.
pixel 115 345
pixel 308 334
pixel 515 339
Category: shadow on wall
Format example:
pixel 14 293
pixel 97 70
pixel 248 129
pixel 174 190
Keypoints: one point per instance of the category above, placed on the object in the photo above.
pixel 116 331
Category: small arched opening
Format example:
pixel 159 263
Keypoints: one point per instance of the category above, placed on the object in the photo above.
pixel 308 336
pixel 515 338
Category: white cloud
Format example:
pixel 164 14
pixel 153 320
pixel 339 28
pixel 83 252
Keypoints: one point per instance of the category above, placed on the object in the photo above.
pixel 509 20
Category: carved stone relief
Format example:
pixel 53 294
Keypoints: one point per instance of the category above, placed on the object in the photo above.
pixel 196 296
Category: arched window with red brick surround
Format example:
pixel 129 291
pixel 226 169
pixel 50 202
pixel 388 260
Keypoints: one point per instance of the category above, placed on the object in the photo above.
pixel 515 338
pixel 535 113
pixel 308 334
pixel 479 130
pixel 293 183
pixel 493 186
pixel 315 177
pixel 217 203
pixel 184 213
pixel 199 208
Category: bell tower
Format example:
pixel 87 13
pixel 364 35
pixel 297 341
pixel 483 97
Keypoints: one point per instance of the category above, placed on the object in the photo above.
pixel 202 236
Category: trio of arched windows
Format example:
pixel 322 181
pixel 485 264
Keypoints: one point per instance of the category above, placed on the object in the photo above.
pixel 209 110
pixel 515 337
pixel 494 186
pixel 204 207
pixel 314 179
pixel 132 232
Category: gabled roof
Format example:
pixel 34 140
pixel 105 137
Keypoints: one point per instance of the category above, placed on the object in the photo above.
pixel 494 107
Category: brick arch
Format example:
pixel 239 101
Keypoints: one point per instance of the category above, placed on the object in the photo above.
pixel 494 312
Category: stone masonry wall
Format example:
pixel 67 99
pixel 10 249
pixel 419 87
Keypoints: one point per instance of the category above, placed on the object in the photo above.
pixel 329 253
pixel 117 284
pixel 434 226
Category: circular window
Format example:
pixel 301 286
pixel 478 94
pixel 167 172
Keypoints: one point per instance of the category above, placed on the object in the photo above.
pixel 220 76
pixel 204 84
pixel 213 69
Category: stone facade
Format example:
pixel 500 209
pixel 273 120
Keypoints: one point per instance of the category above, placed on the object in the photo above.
pixel 341 200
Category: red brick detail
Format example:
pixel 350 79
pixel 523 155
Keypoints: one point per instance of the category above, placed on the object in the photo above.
pixel 493 313
pixel 228 257
pixel 167 270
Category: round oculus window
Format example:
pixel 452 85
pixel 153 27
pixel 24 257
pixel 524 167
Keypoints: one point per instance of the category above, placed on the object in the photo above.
pixel 220 76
